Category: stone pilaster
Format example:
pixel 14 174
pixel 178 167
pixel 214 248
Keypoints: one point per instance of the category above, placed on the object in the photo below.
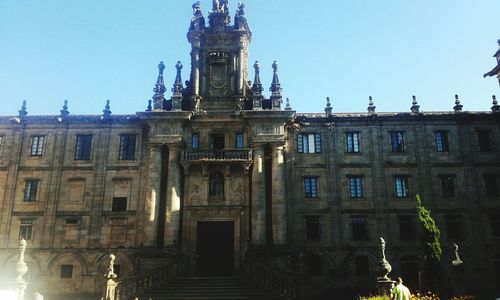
pixel 258 197
pixel 173 197
pixel 278 196
pixel 153 196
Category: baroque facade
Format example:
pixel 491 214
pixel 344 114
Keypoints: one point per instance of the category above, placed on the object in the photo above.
pixel 219 169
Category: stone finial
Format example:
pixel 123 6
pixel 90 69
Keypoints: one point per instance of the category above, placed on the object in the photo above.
pixel 384 267
pixel 23 112
pixel 257 85
pixel 177 89
pixel 288 107
pixel 111 284
pixel 106 113
pixel 495 108
pixel 371 107
pixel 328 108
pixel 458 106
pixel 275 85
pixel 159 89
pixel 64 111
pixel 150 106
pixel 456 261
pixel 415 108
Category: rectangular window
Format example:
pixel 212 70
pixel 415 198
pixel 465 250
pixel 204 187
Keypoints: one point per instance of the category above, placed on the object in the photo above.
pixel 83 147
pixel 309 143
pixel 195 141
pixel 37 145
pixel 352 142
pixel 495 225
pixel 71 230
pixel 127 147
pixel 313 228
pixel 66 271
pixel 397 142
pixel 490 183
pixel 442 144
pixel 26 229
pixel 447 186
pixel 359 230
pixel 454 227
pixel 240 143
pixel 310 187
pixel 30 190
pixel 355 186
pixel 406 228
pixel 484 138
pixel 401 186
pixel 119 204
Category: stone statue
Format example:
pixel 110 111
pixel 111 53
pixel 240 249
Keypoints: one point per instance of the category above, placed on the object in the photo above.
pixel 240 22
pixel 21 269
pixel 220 6
pixel 111 284
pixel 198 21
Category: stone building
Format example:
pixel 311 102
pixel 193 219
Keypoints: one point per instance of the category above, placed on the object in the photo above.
pixel 219 169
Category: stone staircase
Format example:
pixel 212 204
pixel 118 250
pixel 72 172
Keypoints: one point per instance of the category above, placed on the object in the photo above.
pixel 197 288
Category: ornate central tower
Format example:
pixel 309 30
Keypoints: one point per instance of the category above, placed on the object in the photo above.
pixel 219 68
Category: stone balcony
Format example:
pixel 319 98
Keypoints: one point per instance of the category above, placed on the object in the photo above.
pixel 223 155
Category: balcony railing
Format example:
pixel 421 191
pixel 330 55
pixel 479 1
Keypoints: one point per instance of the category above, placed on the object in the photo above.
pixel 217 155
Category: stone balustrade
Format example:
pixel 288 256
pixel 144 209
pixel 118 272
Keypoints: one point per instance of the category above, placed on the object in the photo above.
pixel 217 155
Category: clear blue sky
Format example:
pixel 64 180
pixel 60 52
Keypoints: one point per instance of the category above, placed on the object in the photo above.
pixel 88 51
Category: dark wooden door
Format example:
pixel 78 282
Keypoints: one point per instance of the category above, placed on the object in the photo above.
pixel 215 249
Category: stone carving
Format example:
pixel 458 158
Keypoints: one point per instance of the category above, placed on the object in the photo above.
pixel 198 21
pixel 195 198
pixel 384 267
pixel 237 190
pixel 240 22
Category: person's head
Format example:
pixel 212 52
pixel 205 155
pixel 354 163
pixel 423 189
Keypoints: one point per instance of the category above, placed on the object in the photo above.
pixel 400 280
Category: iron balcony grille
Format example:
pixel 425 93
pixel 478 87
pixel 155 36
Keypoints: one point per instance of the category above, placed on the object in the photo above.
pixel 218 155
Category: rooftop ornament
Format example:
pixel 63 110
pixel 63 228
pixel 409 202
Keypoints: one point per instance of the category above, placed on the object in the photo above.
pixel 159 89
pixel 106 113
pixel 276 97
pixel 328 108
pixel 371 107
pixel 23 112
pixel 177 89
pixel 458 107
pixel 495 108
pixel 288 107
pixel 415 108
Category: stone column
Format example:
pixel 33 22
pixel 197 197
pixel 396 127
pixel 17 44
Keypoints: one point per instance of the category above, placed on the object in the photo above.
pixel 278 197
pixel 258 197
pixel 241 57
pixel 173 197
pixel 152 208
pixel 196 70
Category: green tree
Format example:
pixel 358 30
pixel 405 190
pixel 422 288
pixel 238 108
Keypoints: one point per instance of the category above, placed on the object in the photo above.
pixel 431 247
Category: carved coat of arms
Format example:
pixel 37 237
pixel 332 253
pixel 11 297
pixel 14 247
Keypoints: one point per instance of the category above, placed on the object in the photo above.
pixel 218 75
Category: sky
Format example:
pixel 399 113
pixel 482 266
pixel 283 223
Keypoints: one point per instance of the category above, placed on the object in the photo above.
pixel 88 51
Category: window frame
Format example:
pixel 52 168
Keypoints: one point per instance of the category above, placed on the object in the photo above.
pixel 239 140
pixel 127 150
pixel 66 272
pixel 310 187
pixel 402 190
pixel 30 193
pixel 397 139
pixel 353 141
pixel 356 191
pixel 83 147
pixel 119 204
pixel 407 229
pixel 447 183
pixel 442 141
pixel 484 145
pixel 359 228
pixel 454 227
pixel 37 145
pixel 308 140
pixel 195 141
pixel 26 229
pixel 312 228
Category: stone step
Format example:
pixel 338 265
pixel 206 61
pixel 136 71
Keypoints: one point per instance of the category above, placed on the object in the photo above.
pixel 197 288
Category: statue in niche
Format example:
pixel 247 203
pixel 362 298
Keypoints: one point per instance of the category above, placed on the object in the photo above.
pixel 216 188
pixel 197 22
